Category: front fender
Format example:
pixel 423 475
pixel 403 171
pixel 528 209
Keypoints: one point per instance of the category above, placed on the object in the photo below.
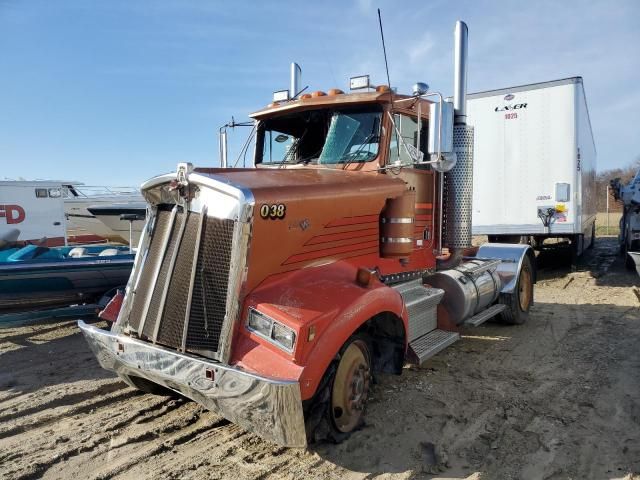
pixel 325 306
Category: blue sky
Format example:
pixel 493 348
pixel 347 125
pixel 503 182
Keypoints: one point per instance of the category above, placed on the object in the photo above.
pixel 114 92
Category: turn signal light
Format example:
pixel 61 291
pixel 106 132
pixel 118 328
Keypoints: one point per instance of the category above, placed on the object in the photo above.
pixel 365 276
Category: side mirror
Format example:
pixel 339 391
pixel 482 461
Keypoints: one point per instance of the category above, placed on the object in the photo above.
pixel 440 128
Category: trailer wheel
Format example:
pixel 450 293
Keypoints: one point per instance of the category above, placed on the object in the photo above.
pixel 519 302
pixel 338 407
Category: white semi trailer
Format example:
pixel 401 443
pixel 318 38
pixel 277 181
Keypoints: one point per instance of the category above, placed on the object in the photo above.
pixel 535 164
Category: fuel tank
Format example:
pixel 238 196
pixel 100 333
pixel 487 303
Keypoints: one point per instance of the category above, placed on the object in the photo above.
pixel 469 288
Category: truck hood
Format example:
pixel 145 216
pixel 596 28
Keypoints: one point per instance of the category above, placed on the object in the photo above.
pixel 299 218
pixel 308 182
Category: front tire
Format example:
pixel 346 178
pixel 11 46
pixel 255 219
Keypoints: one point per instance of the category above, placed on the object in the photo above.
pixel 338 407
pixel 519 302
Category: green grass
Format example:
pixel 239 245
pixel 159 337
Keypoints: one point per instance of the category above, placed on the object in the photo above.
pixel 602 230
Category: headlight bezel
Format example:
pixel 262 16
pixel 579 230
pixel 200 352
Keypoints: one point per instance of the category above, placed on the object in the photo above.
pixel 267 329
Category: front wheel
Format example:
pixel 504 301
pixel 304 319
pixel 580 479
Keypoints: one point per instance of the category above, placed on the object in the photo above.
pixel 338 407
pixel 519 302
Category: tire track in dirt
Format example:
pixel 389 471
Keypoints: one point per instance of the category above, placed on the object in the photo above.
pixel 149 455
pixel 68 399
pixel 181 456
pixel 166 422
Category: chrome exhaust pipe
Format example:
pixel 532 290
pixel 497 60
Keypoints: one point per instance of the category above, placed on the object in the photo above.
pixel 461 38
pixel 296 76
pixel 458 182
pixel 223 147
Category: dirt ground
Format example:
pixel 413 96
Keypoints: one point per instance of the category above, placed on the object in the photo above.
pixel 556 398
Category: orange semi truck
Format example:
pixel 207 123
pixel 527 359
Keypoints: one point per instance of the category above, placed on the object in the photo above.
pixel 275 294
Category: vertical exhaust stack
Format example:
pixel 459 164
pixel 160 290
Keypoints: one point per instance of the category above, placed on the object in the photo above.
pixel 458 184
pixel 296 76
pixel 461 36
pixel 223 147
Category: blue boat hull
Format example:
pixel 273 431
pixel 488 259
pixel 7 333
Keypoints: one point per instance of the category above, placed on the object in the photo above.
pixel 40 283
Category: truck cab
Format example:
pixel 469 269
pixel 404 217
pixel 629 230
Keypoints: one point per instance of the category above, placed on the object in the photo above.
pixel 274 294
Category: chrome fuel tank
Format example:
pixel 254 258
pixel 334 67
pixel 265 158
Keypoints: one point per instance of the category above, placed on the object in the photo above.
pixel 469 288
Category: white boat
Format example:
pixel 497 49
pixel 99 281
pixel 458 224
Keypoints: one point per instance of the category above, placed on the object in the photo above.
pixel 124 219
pixel 77 200
pixel 31 211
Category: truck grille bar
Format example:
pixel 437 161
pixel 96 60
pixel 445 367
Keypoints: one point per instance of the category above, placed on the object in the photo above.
pixel 174 288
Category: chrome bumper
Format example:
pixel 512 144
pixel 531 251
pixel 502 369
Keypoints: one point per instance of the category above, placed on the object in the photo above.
pixel 270 408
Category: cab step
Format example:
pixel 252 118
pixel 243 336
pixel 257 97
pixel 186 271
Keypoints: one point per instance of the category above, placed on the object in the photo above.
pixel 433 342
pixel 485 315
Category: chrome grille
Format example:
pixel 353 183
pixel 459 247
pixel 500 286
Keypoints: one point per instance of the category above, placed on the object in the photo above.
pixel 163 275
pixel 168 295
pixel 209 300
pixel 145 283
pixel 175 308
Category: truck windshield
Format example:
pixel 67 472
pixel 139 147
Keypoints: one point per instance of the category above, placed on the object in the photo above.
pixel 320 136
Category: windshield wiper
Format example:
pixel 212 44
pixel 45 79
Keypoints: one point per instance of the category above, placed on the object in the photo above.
pixel 351 157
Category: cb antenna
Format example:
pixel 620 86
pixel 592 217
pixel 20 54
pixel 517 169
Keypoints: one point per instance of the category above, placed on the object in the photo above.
pixel 384 50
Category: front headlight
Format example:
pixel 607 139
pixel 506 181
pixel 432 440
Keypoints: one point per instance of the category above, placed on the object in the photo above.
pixel 277 333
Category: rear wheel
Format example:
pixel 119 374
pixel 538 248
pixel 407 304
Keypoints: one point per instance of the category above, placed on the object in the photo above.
pixel 338 407
pixel 519 302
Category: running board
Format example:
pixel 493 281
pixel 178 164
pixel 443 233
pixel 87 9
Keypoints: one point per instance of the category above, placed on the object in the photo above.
pixel 428 345
pixel 485 315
